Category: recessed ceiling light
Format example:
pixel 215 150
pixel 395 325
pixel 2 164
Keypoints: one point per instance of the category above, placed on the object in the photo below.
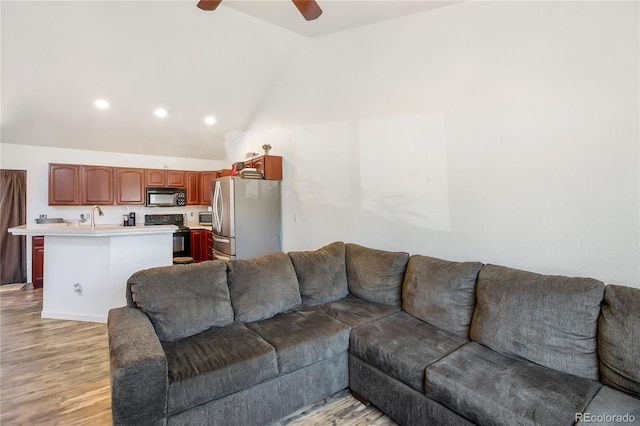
pixel 210 120
pixel 160 112
pixel 102 104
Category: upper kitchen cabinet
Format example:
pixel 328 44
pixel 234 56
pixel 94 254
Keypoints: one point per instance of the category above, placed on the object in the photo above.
pixel 64 184
pixel 269 165
pixel 97 185
pixel 130 184
pixel 206 186
pixel 165 178
pixel 176 179
pixel 193 187
pixel 155 177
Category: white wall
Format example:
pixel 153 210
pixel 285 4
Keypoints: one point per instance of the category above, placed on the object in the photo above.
pixel 505 132
pixel 35 160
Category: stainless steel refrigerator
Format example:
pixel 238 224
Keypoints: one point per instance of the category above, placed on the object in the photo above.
pixel 246 217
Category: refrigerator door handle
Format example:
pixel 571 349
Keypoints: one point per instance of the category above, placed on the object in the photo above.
pixel 221 257
pixel 216 207
pixel 221 240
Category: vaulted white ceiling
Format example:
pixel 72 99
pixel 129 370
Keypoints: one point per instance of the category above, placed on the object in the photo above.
pixel 59 57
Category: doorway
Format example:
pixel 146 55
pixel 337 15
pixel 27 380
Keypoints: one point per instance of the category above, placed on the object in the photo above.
pixel 13 212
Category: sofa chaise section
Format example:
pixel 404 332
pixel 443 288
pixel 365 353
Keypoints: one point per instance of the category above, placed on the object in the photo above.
pixel 534 355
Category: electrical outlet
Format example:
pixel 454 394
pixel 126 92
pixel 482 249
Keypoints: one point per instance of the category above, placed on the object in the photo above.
pixel 78 289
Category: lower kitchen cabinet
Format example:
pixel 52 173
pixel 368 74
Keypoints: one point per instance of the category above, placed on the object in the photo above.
pixel 37 261
pixel 209 245
pixel 201 245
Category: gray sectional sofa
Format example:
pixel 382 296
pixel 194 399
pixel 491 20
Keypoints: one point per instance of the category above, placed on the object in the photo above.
pixel 428 341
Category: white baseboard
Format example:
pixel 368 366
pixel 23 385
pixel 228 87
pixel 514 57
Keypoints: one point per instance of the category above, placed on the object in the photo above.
pixel 73 317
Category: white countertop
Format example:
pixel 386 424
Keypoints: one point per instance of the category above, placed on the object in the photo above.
pixel 64 229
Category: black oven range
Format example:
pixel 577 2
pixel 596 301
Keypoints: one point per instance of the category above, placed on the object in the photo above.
pixel 181 236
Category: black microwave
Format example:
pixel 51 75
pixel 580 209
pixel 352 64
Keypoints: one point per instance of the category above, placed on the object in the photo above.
pixel 166 197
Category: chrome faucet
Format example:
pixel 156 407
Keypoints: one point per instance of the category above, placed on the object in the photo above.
pixel 93 216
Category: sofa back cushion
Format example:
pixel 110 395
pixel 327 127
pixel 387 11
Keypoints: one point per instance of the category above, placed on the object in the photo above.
pixel 183 300
pixel 376 275
pixel 262 287
pixel 549 320
pixel 441 292
pixel 322 273
pixel 619 339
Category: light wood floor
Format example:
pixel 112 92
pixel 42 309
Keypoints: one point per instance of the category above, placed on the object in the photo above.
pixel 56 372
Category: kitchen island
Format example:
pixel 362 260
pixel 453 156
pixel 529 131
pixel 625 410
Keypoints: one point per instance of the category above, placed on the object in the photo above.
pixel 86 269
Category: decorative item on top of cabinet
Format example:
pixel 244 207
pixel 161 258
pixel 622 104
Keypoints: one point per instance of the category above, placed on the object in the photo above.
pixel 64 184
pixel 37 261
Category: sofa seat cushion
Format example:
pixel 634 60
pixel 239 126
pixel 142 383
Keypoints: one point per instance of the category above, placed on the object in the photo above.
pixel 182 300
pixel 353 311
pixel 216 363
pixel 262 287
pixel 376 275
pixel 550 320
pixel 491 388
pixel 619 339
pixel 402 347
pixel 302 338
pixel 610 407
pixel 322 273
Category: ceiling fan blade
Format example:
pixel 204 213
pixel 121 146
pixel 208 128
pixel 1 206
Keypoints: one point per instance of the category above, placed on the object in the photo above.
pixel 309 9
pixel 208 4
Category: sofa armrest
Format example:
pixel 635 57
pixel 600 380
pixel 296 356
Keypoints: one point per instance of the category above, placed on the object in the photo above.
pixel 139 379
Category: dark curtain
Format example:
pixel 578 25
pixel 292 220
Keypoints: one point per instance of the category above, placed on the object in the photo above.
pixel 13 206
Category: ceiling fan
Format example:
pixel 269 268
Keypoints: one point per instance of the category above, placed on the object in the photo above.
pixel 308 8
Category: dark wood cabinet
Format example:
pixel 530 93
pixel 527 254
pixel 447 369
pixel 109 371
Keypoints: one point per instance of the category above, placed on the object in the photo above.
pixel 209 238
pixel 201 245
pixel 37 261
pixel 193 187
pixel 165 178
pixel 155 177
pixel 130 189
pixel 269 165
pixel 64 184
pixel 175 179
pixel 206 186
pixel 77 184
pixel 97 185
